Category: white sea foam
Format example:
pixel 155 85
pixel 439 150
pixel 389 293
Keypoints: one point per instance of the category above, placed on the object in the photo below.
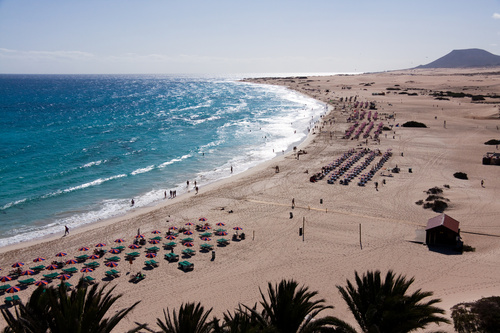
pixel 142 170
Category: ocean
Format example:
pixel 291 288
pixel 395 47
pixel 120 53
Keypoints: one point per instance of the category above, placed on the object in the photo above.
pixel 76 149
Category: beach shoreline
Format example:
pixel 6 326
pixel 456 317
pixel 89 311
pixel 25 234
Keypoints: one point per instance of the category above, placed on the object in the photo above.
pixel 260 201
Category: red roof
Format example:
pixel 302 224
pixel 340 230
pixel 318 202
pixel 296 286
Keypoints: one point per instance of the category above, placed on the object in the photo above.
pixel 443 220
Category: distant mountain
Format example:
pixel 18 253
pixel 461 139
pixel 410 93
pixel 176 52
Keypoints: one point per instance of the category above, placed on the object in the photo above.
pixel 464 59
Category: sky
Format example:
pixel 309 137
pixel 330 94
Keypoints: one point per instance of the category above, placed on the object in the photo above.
pixel 238 36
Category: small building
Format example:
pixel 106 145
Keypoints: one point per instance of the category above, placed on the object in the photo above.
pixel 442 230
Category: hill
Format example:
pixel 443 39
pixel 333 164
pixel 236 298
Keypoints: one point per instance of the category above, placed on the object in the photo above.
pixel 464 59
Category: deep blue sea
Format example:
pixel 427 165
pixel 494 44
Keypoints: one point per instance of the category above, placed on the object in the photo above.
pixel 75 149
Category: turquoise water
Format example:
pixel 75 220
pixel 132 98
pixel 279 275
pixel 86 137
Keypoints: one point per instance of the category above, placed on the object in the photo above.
pixel 75 149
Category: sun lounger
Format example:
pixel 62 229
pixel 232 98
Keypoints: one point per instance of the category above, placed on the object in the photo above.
pixel 67 284
pixel 112 273
pixel 26 282
pixel 153 249
pixel 171 257
pixel 71 270
pixel 132 254
pixel 189 252
pixel 93 264
pixel 87 280
pixel 186 265
pixel 51 276
pixel 115 258
pixel 152 263
pixel 4 287
pixel 38 268
pixel 137 277
pixel 10 300
pixel 82 258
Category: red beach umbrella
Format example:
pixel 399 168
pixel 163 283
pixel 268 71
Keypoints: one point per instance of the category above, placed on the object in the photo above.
pixel 111 264
pixel 41 283
pixel 61 254
pixel 94 256
pixel 190 223
pixel 5 278
pixel 139 236
pixel 63 277
pixel 154 241
pixel 84 248
pixel 202 219
pixel 28 272
pixel 150 255
pixel 86 270
pixel 206 239
pixel 134 246
pixel 52 267
pixel 206 227
pixel 188 232
pixel 220 224
pixel 222 233
pixel 100 245
pixel 119 240
pixel 12 290
pixel 38 259
pixel 71 262
pixel 114 251
pixel 156 232
pixel 238 228
pixel 171 237
pixel 18 264
pixel 188 244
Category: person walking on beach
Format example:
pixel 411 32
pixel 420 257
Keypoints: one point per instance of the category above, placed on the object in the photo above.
pixel 66 230
pixel 293 203
pixel 482 183
pixel 196 188
pixel 132 202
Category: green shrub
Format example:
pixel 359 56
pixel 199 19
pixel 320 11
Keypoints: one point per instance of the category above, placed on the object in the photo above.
pixel 480 316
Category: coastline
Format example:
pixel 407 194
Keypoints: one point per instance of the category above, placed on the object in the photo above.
pixel 331 251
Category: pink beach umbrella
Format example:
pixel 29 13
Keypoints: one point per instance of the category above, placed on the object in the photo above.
pixel 52 267
pixel 41 283
pixel 84 248
pixel 61 254
pixel 5 278
pixel 156 232
pixel 18 264
pixel 86 270
pixel 150 255
pixel 39 259
pixel 100 245
pixel 111 264
pixel 28 272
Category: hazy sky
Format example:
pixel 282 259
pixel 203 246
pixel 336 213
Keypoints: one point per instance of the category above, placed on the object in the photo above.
pixel 233 36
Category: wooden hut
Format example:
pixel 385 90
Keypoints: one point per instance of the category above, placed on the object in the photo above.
pixel 442 230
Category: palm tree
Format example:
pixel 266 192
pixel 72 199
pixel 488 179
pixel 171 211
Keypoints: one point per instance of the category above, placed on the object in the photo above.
pixel 290 308
pixel 385 306
pixel 80 311
pixel 191 318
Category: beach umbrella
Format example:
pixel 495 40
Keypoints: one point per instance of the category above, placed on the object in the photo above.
pixel 52 267
pixel 12 290
pixel 41 283
pixel 190 223
pixel 188 244
pixel 154 241
pixel 38 259
pixel 18 264
pixel 94 256
pixel 100 245
pixel 206 227
pixel 28 272
pixel 220 224
pixel 86 270
pixel 173 228
pixel 188 232
pixel 202 219
pixel 111 264
pixel 114 251
pixel 223 233
pixel 150 255
pixel 84 248
pixel 119 240
pixel 238 228
pixel 134 246
pixel 63 277
pixel 139 236
pixel 206 239
pixel 71 262
pixel 171 237
pixel 5 278
pixel 156 232
pixel 61 254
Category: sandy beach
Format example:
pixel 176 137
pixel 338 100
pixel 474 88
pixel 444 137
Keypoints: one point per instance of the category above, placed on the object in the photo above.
pixel 260 202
